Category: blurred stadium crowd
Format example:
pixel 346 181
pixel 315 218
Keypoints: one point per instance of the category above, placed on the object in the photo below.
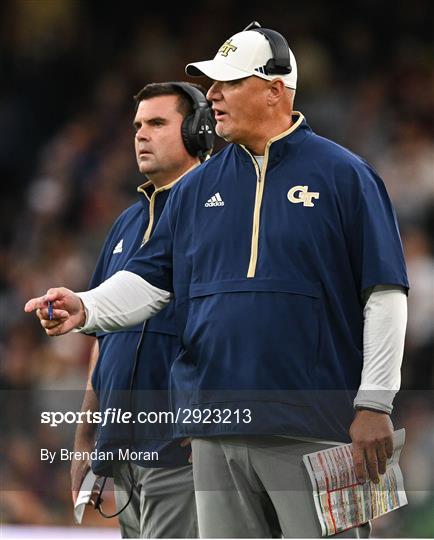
pixel 68 70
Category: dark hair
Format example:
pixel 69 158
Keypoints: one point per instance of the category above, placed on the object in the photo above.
pixel 151 90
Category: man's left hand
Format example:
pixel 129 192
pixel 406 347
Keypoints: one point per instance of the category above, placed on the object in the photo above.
pixel 372 436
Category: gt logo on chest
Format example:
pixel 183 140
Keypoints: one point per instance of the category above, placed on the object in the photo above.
pixel 300 194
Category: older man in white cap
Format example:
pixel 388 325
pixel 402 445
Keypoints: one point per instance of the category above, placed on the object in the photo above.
pixel 284 258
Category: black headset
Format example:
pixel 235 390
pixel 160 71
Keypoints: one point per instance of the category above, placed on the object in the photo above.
pixel 197 128
pixel 280 64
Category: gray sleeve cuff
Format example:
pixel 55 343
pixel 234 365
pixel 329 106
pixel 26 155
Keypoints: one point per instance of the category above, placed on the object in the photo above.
pixel 89 309
pixel 380 400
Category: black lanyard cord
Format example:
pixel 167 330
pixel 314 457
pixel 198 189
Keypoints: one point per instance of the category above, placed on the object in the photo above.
pixel 98 502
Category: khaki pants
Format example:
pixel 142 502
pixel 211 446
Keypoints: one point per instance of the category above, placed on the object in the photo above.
pixel 163 503
pixel 256 487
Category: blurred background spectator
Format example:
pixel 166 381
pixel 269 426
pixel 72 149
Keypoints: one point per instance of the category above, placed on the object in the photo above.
pixel 68 71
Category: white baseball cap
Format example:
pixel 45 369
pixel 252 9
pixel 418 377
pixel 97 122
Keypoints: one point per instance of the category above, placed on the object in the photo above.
pixel 242 55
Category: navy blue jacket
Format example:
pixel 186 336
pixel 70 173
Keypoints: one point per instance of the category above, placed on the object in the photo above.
pixel 117 351
pixel 268 270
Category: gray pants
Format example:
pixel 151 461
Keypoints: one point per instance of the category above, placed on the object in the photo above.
pixel 256 487
pixel 163 503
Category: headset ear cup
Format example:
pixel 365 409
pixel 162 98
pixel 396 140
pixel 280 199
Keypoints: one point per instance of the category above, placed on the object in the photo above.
pixel 208 136
pixel 197 129
pixel 202 132
pixel 187 137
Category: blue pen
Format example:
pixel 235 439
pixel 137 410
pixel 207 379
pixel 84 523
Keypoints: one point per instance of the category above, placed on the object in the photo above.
pixel 50 310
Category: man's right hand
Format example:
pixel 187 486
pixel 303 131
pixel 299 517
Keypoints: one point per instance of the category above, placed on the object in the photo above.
pixel 68 311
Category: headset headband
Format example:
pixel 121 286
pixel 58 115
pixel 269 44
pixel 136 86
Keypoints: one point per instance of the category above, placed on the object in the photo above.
pixel 280 64
pixel 198 99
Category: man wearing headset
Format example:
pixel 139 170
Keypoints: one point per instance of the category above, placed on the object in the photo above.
pixel 155 497
pixel 284 258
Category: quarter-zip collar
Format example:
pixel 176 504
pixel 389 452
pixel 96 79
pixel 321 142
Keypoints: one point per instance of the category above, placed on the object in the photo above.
pixel 279 144
pixel 150 193
pixel 148 189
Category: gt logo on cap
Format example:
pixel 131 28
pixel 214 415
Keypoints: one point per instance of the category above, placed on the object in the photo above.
pixel 227 47
pixel 305 196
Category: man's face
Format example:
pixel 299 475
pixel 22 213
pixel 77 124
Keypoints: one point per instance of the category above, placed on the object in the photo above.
pixel 239 107
pixel 158 142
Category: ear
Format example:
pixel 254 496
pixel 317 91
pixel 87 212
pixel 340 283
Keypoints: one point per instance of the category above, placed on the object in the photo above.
pixel 276 91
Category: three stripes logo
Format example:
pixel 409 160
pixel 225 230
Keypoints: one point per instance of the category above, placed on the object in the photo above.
pixel 215 200
pixel 261 69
